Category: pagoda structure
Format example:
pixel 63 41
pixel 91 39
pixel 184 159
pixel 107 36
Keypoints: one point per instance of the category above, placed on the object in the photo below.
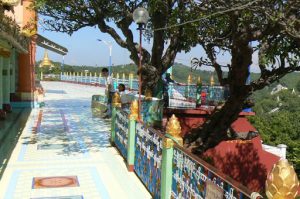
pixel 45 63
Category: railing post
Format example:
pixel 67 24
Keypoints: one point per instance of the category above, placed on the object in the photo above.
pixel 198 91
pixel 187 89
pixel 131 135
pixel 116 102
pixel 130 81
pixel 173 131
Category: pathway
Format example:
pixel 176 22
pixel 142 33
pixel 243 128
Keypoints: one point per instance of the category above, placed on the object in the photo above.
pixel 64 153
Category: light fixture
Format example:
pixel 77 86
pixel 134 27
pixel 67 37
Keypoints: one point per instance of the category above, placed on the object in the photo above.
pixel 140 16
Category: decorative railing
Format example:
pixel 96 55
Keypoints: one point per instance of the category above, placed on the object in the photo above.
pixel 121 130
pixel 190 96
pixel 164 167
pixel 194 178
pixel 148 158
pixel 130 84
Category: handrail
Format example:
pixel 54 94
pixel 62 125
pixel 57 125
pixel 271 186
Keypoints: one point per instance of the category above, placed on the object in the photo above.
pixel 213 169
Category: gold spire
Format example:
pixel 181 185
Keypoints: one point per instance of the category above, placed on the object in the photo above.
pixel 173 127
pixel 212 81
pixel 148 94
pixel 116 100
pixel 46 61
pixel 189 80
pixel 282 181
pixel 199 80
pixel 134 110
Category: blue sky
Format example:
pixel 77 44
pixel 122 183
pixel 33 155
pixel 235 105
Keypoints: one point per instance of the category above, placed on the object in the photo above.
pixel 84 49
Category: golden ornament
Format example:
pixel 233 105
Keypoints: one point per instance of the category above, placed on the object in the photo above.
pixel 134 110
pixel 282 181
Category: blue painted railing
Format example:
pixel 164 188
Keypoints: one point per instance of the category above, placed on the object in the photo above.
pixel 191 177
pixel 148 158
pixel 194 178
pixel 121 131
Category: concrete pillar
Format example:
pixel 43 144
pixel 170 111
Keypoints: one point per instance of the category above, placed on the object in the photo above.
pixel 282 148
pixel 2 112
pixel 6 84
pixel 26 64
pixel 13 72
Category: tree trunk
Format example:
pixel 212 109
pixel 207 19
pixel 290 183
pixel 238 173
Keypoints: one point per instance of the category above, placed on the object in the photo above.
pixel 215 128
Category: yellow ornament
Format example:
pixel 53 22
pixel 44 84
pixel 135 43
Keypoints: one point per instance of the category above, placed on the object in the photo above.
pixel 134 110
pixel 282 182
pixel 116 100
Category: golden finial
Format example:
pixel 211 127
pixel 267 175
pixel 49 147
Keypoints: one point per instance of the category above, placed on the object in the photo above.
pixel 112 75
pixel 100 74
pixel 212 81
pixel 90 74
pixel 173 127
pixel 148 94
pixel 116 100
pixel 118 75
pixel 189 80
pixel 199 80
pixel 124 76
pixel 134 110
pixel 130 76
pixel 282 181
pixel 81 74
pixel 95 74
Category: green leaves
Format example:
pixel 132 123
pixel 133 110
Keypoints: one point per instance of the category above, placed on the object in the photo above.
pixel 282 126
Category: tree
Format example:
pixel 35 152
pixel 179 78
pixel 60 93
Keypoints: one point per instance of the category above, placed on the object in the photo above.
pixel 281 128
pixel 272 26
pixel 298 86
pixel 69 16
pixel 219 27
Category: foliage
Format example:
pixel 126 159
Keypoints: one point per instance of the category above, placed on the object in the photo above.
pixel 282 126
pixel 219 27
pixel 10 31
pixel 298 86
pixel 115 19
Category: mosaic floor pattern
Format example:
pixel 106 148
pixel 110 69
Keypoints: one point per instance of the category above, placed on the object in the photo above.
pixel 54 182
pixel 64 153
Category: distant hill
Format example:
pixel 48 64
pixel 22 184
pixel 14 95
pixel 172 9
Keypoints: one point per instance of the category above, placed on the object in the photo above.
pixel 180 73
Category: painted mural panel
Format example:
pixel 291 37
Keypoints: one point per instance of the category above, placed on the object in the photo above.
pixel 148 158
pixel 193 180
pixel 121 130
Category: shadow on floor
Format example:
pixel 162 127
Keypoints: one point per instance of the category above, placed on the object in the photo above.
pixel 10 131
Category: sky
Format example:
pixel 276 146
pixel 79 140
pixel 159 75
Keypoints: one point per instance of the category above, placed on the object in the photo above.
pixel 84 49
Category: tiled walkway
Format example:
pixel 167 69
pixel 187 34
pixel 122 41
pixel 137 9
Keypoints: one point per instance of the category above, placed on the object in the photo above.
pixel 64 153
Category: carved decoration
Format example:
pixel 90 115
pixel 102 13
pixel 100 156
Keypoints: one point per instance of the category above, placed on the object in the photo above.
pixel 282 182
pixel 134 110
pixel 116 100
pixel 173 127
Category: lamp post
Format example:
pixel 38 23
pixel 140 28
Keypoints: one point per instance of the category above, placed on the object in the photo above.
pixel 141 17
pixel 109 45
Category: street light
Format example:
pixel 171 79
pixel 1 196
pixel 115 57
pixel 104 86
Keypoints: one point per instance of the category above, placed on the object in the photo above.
pixel 109 45
pixel 141 17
